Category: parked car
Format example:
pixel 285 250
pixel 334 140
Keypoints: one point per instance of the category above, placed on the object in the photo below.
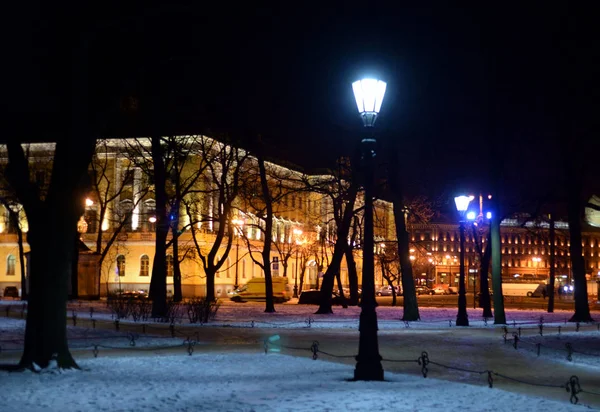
pixel 11 292
pixel 423 290
pixel 313 297
pixel 438 290
pixel 387 291
pixel 132 294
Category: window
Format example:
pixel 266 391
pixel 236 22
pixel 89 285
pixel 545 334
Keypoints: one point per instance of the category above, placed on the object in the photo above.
pixel 10 265
pixel 121 265
pixel 170 266
pixel 144 265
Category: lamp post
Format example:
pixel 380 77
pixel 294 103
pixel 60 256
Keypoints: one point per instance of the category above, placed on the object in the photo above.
pixel 297 234
pixel 462 319
pixel 238 223
pixel 369 96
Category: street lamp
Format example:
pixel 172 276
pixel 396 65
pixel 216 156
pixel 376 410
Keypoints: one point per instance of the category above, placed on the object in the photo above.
pixel 462 319
pixel 297 234
pixel 238 224
pixel 369 96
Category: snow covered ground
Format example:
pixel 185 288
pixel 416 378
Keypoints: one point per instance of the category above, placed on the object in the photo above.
pixel 142 377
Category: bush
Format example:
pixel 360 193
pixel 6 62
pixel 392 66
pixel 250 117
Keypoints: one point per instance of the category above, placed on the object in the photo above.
pixel 201 310
pixel 174 312
pixel 123 305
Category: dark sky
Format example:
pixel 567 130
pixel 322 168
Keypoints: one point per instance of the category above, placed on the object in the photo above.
pixel 458 78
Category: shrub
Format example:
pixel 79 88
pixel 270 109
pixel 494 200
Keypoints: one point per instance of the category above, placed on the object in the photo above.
pixel 201 310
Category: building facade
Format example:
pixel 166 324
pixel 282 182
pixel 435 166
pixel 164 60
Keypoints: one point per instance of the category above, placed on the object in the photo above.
pixel 120 218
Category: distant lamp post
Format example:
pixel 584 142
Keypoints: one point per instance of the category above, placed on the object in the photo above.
pixel 89 202
pixel 297 234
pixel 369 96
pixel 462 319
pixel 238 224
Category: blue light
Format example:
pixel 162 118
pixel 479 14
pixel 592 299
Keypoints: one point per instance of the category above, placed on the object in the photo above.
pixel 471 215
pixel 488 215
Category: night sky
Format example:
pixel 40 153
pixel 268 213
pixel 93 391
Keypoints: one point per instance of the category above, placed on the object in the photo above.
pixel 458 79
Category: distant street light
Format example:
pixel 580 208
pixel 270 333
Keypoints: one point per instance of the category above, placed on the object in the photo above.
pixel 462 319
pixel 297 234
pixel 238 224
pixel 369 96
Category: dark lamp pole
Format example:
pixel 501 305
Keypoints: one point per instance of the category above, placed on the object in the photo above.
pixel 369 96
pixel 462 319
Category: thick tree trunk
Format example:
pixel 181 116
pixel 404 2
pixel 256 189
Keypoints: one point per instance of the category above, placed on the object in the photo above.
pixel 210 271
pixel 50 265
pixel 499 315
pixel 158 282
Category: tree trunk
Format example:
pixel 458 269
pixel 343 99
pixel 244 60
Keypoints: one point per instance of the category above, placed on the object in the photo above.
pixel 74 286
pixel 177 294
pixel 499 315
pixel 158 282
pixel 50 264
pixel 485 256
pixel 352 276
pixel 266 252
pixel 338 253
pixel 582 309
pixel 211 271
pixel 411 307
pixel 552 268
pixel 341 290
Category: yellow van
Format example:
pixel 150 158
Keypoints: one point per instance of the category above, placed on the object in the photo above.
pixel 254 290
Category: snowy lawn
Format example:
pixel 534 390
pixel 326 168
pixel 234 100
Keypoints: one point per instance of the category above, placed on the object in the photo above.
pixel 249 380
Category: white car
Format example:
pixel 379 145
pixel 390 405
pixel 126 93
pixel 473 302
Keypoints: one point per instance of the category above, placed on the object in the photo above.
pixel 439 291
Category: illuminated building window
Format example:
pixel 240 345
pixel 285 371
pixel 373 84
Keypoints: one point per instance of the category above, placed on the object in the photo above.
pixel 121 265
pixel 11 262
pixel 144 265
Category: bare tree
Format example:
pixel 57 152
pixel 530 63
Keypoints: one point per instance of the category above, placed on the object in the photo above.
pixel 108 190
pixel 266 187
pixel 213 205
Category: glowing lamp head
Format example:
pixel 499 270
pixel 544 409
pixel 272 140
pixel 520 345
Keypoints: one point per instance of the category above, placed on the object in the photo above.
pixel 369 96
pixel 152 219
pixel 462 203
pixel 89 202
pixel 488 215
pixel 471 215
